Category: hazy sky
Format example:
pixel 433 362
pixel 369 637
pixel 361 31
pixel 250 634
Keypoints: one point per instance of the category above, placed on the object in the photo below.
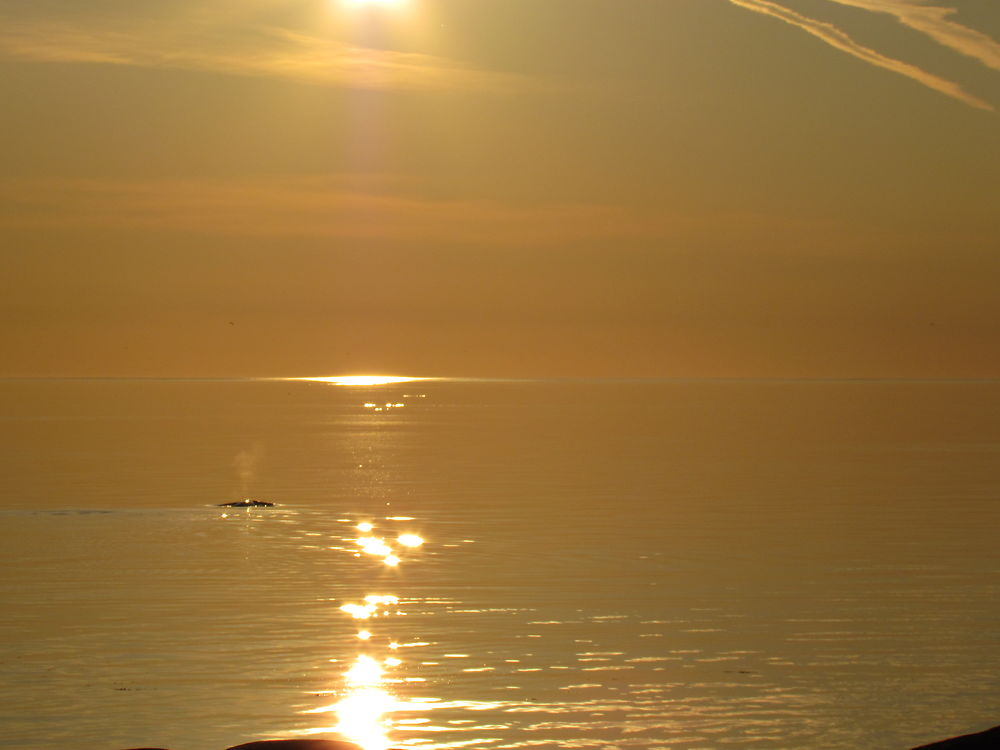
pixel 500 187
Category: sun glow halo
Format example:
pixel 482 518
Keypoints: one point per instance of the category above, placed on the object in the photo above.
pixel 376 3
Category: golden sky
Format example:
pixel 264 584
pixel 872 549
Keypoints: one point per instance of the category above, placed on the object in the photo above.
pixel 500 187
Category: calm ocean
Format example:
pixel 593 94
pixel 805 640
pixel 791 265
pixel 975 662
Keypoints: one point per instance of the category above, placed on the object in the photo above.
pixel 672 564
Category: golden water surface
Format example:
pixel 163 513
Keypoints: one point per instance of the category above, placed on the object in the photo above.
pixel 499 565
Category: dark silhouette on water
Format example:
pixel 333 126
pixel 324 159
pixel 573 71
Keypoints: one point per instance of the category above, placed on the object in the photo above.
pixel 988 740
pixel 285 745
pixel 297 745
pixel 247 503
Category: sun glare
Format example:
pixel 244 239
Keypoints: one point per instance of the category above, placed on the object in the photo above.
pixel 387 4
pixel 364 713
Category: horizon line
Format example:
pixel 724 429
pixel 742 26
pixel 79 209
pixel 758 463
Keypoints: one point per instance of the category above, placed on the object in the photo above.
pixel 402 380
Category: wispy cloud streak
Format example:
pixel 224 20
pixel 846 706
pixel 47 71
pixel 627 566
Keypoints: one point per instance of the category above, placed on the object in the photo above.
pixel 263 52
pixel 933 20
pixel 839 39
pixel 366 207
pixel 308 207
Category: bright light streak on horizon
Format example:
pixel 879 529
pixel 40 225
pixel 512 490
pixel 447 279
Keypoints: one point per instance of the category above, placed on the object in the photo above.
pixel 362 380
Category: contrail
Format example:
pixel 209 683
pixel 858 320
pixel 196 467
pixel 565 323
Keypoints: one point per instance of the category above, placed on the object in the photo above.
pixel 932 20
pixel 839 39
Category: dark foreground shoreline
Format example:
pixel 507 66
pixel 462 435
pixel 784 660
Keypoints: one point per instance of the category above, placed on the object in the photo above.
pixel 978 741
pixel 988 740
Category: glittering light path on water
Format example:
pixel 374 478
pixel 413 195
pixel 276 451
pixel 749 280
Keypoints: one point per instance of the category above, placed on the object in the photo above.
pixel 364 712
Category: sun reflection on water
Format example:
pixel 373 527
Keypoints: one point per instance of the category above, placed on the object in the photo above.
pixel 364 712
pixel 374 546
pixel 366 705
pixel 363 717
pixel 363 380
pixel 366 672
pixel 378 547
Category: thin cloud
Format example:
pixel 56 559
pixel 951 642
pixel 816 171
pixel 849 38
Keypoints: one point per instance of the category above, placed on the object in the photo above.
pixel 933 20
pixel 263 52
pixel 839 39
pixel 306 207
pixel 390 209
